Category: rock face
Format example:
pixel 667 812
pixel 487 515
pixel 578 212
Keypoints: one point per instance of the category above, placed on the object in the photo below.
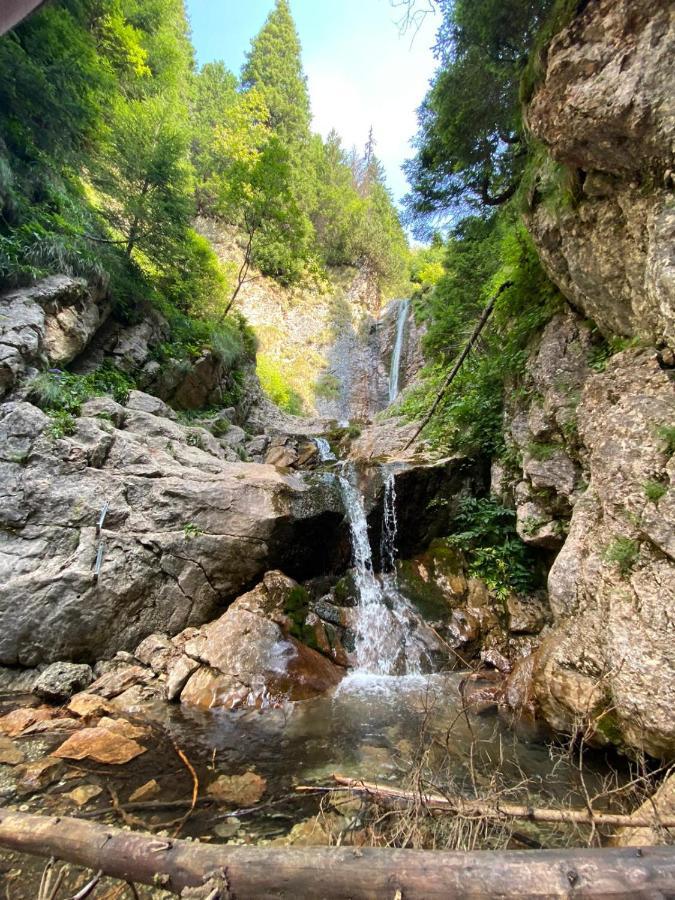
pixel 542 434
pixel 606 111
pixel 185 530
pixel 50 322
pixel 333 344
pixel 248 656
pixel 609 662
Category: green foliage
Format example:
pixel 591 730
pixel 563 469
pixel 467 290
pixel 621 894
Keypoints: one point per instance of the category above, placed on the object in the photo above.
pixel 654 490
pixel 276 387
pixel 470 141
pixel 220 427
pixel 624 553
pixel 559 14
pixel 492 547
pixel 191 530
pixel 57 391
pixel 666 433
pixel 274 67
pixel 481 255
pixel 62 425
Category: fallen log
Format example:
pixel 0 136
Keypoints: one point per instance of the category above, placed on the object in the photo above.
pixel 496 809
pixel 343 873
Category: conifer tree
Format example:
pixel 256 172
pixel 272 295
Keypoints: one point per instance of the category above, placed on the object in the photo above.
pixel 274 66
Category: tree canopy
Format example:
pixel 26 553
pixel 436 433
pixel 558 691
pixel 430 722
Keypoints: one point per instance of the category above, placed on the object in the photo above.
pixel 470 144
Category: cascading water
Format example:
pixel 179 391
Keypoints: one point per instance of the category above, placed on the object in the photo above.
pixel 389 525
pixel 384 618
pixel 395 370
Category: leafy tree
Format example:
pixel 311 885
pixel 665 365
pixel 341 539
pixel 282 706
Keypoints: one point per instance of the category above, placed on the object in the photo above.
pixel 274 66
pixel 145 176
pixel 470 148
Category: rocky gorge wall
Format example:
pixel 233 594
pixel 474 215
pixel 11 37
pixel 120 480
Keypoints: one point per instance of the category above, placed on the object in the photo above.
pixel 333 342
pixel 591 434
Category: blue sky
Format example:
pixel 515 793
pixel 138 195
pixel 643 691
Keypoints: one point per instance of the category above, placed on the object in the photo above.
pixel 361 70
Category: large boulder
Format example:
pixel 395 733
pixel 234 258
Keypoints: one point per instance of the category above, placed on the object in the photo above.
pixel 249 656
pixel 608 666
pixel 606 110
pixel 51 321
pixel 185 531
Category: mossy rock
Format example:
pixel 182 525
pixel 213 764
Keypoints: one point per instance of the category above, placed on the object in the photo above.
pixel 434 581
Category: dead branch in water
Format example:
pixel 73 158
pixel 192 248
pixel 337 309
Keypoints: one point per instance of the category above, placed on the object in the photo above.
pixel 342 872
pixel 496 810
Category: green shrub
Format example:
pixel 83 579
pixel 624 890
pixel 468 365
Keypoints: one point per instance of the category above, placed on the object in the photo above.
pixel 624 553
pixel 667 434
pixel 275 385
pixel 191 530
pixel 62 424
pixel 494 552
pixel 654 490
pixel 65 391
pixel 220 427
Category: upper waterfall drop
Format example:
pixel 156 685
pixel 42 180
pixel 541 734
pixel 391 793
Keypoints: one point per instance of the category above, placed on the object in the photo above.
pixel 395 370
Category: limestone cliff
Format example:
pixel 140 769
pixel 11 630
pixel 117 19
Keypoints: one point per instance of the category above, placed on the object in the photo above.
pixel 606 112
pixel 331 341
pixel 591 466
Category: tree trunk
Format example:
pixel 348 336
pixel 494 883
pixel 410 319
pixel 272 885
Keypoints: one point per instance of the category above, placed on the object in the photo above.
pixel 343 873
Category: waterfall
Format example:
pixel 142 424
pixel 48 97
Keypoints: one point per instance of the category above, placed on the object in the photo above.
pixel 389 524
pixel 395 370
pixel 323 449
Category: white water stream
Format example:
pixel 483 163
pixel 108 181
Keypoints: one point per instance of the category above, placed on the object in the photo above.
pixel 384 617
pixel 395 370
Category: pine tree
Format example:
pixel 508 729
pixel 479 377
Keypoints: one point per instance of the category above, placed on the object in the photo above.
pixel 274 66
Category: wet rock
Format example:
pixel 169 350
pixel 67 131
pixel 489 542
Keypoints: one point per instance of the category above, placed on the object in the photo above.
pixel 17 721
pixel 494 659
pixel 481 692
pixel 87 706
pixel 228 828
pixel 38 775
pixel 155 651
pixel 250 658
pixel 60 680
pixel 101 745
pixel 237 790
pixel 178 672
pixel 145 792
pixel 10 753
pixel 49 726
pixel 83 794
pixel 119 680
pixel 125 728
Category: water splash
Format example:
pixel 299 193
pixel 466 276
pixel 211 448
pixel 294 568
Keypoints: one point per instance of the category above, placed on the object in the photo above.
pixel 395 370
